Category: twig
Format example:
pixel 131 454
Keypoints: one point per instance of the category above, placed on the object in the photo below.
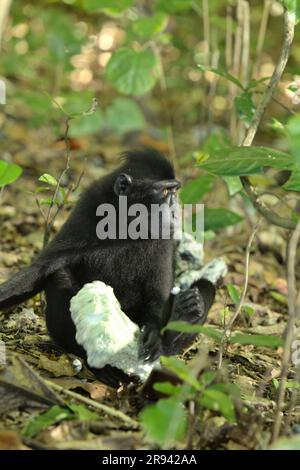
pixel 228 47
pixel 246 44
pixel 4 11
pixel 289 26
pixel 293 301
pixel 227 330
pixel 261 35
pixel 49 222
pixel 236 69
pixel 206 31
pixel 164 90
pixel 99 406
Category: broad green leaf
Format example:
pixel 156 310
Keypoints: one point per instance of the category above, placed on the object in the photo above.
pixel 87 125
pixel 167 388
pixel 215 219
pixel 218 401
pixel 293 131
pixel 221 73
pixel 193 191
pixel 9 172
pixel 173 6
pixel 253 83
pixel 83 413
pixel 234 184
pixel 234 294
pixel 109 6
pixel 124 115
pixel 241 161
pixel 149 27
pixel 131 72
pixel 293 6
pixel 179 368
pixel 257 340
pixel 49 179
pixel 165 422
pixel 248 310
pixel 42 421
pixel 279 297
pixel 244 106
pixel 293 183
pixel 186 327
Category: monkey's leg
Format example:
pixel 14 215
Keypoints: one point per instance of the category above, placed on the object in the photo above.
pixel 192 306
pixel 61 287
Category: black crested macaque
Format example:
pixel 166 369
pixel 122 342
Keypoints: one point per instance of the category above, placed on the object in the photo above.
pixel 140 271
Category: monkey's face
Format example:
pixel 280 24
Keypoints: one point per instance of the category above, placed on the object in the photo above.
pixel 156 202
pixel 145 191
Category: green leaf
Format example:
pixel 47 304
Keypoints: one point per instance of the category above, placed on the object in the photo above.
pixel 179 368
pixel 216 400
pixel 165 422
pixel 234 184
pixel 215 219
pixel 110 6
pixel 83 413
pixel 149 27
pixel 186 327
pixel 42 421
pixel 244 106
pixel 167 388
pixel 265 341
pixel 293 183
pixel 193 192
pixel 221 73
pixel 131 72
pixel 49 179
pixel 173 6
pixel 241 161
pixel 9 172
pixel 117 116
pixel 234 294
pixel 86 125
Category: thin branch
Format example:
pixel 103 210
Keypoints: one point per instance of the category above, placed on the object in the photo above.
pixel 228 47
pixel 293 300
pixel 164 90
pixel 236 69
pixel 262 35
pixel 227 330
pixel 99 406
pixel 206 31
pixel 246 44
pixel 4 12
pixel 289 26
pixel 49 222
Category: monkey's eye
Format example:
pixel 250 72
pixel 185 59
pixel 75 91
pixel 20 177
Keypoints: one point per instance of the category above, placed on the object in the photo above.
pixel 165 192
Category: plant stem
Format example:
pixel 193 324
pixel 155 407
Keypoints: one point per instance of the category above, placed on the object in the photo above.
pixel 293 306
pixel 99 406
pixel 289 26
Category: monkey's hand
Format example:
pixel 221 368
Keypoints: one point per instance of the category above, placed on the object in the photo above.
pixel 150 347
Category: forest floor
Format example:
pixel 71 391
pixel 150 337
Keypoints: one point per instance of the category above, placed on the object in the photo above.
pixel 22 329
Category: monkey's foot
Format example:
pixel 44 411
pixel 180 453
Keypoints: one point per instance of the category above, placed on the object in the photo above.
pixel 150 345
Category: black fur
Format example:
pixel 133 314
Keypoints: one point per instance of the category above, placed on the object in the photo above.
pixel 140 272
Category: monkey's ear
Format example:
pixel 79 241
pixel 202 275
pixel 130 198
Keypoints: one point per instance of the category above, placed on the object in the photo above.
pixel 122 184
